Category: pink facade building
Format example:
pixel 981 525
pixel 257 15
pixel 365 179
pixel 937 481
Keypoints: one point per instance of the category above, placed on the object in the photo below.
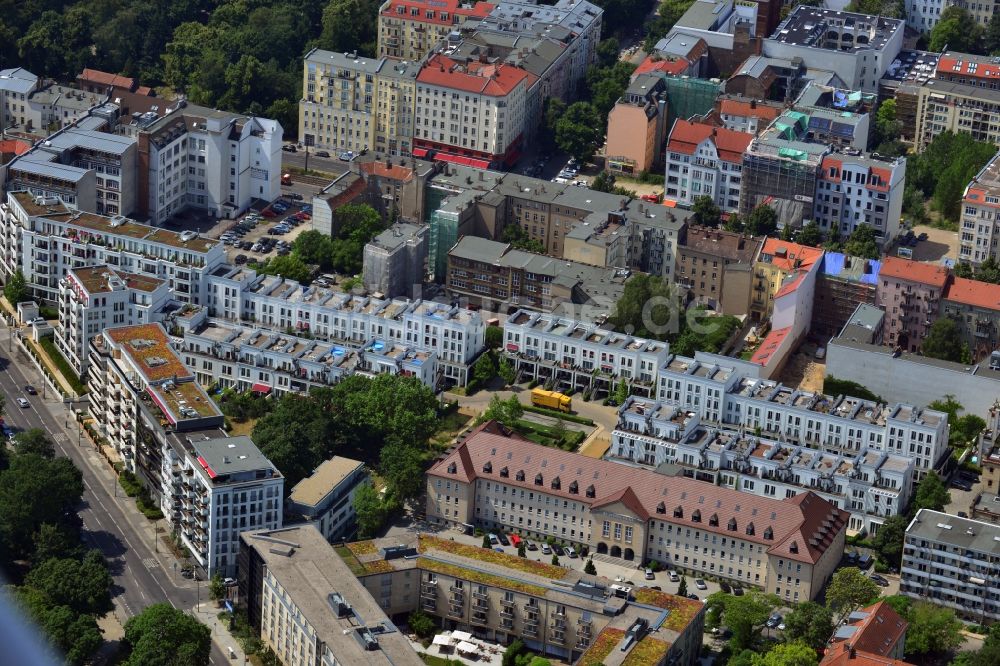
pixel 909 292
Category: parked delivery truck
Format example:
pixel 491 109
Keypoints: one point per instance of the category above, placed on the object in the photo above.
pixel 551 400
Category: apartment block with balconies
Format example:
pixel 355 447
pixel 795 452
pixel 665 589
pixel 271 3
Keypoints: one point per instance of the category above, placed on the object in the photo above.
pixel 909 292
pixel 951 562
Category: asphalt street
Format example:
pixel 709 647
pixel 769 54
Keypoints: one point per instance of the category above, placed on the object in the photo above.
pixel 140 576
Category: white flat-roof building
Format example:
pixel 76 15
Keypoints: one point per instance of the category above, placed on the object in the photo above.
pixel 326 498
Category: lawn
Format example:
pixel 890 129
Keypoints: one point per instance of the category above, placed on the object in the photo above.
pixel 493 557
pixel 549 436
pixel 462 573
pixel 449 427
pixel 649 651
pixel 62 365
pixel 601 648
pixel 352 562
pixel 434 660
pixel 682 610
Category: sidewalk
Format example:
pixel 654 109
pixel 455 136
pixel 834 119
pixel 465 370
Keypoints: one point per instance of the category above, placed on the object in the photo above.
pixel 208 614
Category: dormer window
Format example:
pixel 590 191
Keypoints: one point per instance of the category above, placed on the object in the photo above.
pixel 520 475
pixel 732 525
pixel 452 468
pixel 488 468
pixel 768 533
pixel 678 511
pixel 538 479
pixel 714 520
pixel 574 488
pixel 591 492
pixel 504 473
pixel 696 516
pixel 793 547
pixel 556 483
pixel 661 508
pixel 750 530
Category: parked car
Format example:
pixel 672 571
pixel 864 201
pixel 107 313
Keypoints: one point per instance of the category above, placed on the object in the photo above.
pixel 294 196
pixel 558 550
pixel 881 581
pixel 256 247
pixel 503 538
pixel 649 574
pixel 240 259
pixel 864 561
pixel 570 551
pixel 493 539
pixel 531 545
pixel 725 587
pixel 922 237
pixel 289 148
pixel 546 549
pixel 700 584
pixel 737 591
pixel 674 578
pixel 773 621
pixel 345 156
pixel 961 484
pixel 652 198
pixel 693 597
pixel 229 582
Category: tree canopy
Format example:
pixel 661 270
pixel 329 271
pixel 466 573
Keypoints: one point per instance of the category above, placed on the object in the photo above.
pixel 744 615
pixel 162 635
pixel 762 221
pixel 577 130
pixel 944 341
pixel 932 630
pixel 706 213
pixel 354 226
pixel 849 589
pixel 941 172
pixel 16 289
pixel 787 654
pixel 956 30
pixel 810 623
pixel 84 586
pixel 861 243
pixel 931 493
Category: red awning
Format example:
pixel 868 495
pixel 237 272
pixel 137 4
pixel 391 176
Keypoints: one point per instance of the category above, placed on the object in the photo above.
pixel 419 152
pixel 159 403
pixel 260 388
pixel 466 161
pixel 204 464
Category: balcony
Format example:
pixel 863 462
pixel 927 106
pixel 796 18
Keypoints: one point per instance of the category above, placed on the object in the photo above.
pixel 429 605
pixel 481 595
pixel 558 637
pixel 530 630
pixel 480 618
pixel 429 587
pixel 530 607
pixel 506 623
pixel 507 611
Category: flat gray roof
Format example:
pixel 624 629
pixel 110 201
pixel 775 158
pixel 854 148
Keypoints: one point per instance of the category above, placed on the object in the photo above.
pixel 232 455
pixel 962 532
pixel 479 249
pixel 398 234
pixel 48 169
pixel 114 144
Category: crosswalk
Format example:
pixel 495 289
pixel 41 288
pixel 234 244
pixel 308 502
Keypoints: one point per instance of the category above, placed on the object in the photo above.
pixel 150 563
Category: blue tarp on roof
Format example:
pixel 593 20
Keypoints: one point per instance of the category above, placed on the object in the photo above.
pixel 871 275
pixel 833 263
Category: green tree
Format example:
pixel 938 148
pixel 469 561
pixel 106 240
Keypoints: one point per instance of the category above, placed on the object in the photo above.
pixel 649 307
pixel 949 406
pixel 493 337
pixel 522 550
pixel 943 341
pixel 216 588
pixel 402 467
pixel 967 429
pixel 744 615
pixel 888 541
pixel 933 630
pixel 577 131
pixel 507 412
pixel 34 441
pixel 899 603
pixel 810 623
pixel 734 223
pixel 956 30
pixel 56 541
pixel 164 635
pixel 483 370
pixel 518 238
pixel 861 243
pixel 963 269
pixel 706 213
pixel 71 634
pixel 34 491
pixel 314 247
pixel 931 493
pixel 84 586
pixel 589 568
pixel 16 289
pixel 289 266
pixel 486 542
pixel 762 221
pixel 744 658
pixel 348 25
pixel 369 510
pixel 887 127
pixel 555 559
pixel 621 392
pixel 787 654
pixel 421 624
pixel 513 651
pixel 505 369
pixel 810 235
pixel 988 271
pixel 682 587
pixel 850 589
pixel 608 51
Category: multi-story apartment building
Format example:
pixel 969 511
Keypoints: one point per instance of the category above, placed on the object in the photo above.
pixel 961 96
pixel 705 161
pixel 857 47
pixel 213 161
pixel 637 126
pixel 94 298
pixel 951 562
pixel 777 260
pixel 16 85
pixel 44 238
pixel 715 266
pixel 474 109
pixel 856 188
pixel 842 284
pixel 308 607
pixel 454 334
pixel 749 116
pixel 395 261
pixel 789 547
pixel 169 432
pixel 492 274
pixel 353 103
pixel 326 497
pixel 409 29
pixel 871 484
pixel 580 355
pixel 909 292
pixel 86 166
pixel 124 91
pixel 726 391
pixel 55 106
pixel 975 306
pixel 980 230
pixel 249 358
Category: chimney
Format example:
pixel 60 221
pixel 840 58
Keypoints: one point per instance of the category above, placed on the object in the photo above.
pixel 753 104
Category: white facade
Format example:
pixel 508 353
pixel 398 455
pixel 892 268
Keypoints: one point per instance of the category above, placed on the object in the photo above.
pixel 840 425
pixel 855 189
pixel 708 172
pixel 214 161
pixel 872 485
pixel 952 562
pixel 44 239
pixel 980 232
pixel 923 15
pixel 94 298
pixel 326 497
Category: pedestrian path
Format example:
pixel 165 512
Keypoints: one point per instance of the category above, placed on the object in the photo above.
pixel 208 614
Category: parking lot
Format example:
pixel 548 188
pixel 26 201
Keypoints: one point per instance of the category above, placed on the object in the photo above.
pixel 254 230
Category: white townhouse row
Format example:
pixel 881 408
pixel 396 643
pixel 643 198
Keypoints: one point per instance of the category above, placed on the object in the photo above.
pixel 731 395
pixel 872 485
pixel 455 335
pixel 45 239
pixel 249 358
pixel 168 432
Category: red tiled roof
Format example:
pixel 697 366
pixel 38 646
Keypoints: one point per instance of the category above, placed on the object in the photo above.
pixel 14 146
pixel 788 286
pixel 644 492
pixel 686 135
pixel 969 65
pixel 770 345
pixel 914 271
pixel 788 256
pixel 380 169
pixel 842 655
pixel 879 632
pixel 749 109
pixel 673 65
pixel 973 292
pixel 107 79
pixel 145 91
pixel 453 8
pixel 496 80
